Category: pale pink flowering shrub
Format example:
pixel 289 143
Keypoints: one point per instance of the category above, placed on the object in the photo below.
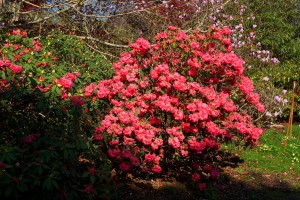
pixel 175 100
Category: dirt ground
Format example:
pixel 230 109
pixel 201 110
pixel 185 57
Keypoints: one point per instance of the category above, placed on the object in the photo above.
pixel 235 184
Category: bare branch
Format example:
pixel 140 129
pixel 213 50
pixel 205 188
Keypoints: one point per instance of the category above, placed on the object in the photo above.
pixel 102 42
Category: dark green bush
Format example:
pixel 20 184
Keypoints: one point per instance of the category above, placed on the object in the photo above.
pixel 278 25
pixel 46 148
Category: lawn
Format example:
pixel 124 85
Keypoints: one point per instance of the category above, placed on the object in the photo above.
pixel 271 155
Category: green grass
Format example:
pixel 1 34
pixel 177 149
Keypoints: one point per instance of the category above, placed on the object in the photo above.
pixel 270 156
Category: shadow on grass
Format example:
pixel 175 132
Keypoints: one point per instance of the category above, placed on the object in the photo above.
pixel 233 185
pixel 230 189
pixel 254 186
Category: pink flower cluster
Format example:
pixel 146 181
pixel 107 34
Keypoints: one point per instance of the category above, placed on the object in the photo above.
pixel 6 63
pixel 19 32
pixel 66 82
pixel 174 99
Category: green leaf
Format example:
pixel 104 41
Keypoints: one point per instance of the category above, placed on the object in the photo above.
pixel 33 82
pixel 54 183
pixel 3 76
pixel 8 191
pixel 93 179
pixel 47 184
pixel 85 174
pixel 58 91
pixel 40 170
pixel 4 103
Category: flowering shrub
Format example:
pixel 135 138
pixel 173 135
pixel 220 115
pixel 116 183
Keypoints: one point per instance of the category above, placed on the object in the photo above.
pixel 175 100
pixel 275 99
pixel 46 151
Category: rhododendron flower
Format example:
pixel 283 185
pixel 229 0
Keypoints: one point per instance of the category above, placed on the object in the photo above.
pixel 197 146
pixel 196 165
pixel 246 85
pixel 2 165
pixel 226 30
pixel 89 188
pixel 128 141
pixel 192 72
pixel 174 142
pixel 172 28
pixel 260 107
pixel 2 63
pixel 16 32
pixel 152 158
pixel 41 79
pixel 44 89
pixel 70 76
pixel 113 152
pixel 37 46
pixel 202 186
pixel 15 68
pixel 135 161
pixel 98 137
pixel 24 34
pixel 30 139
pixel 162 35
pixel 77 100
pixel 195 177
pixel 65 82
pixel 145 170
pixel 19 32
pixel 141 46
pixel 213 128
pixel 64 95
pixel 124 167
pixel 156 169
pixel 214 174
pixel 92 170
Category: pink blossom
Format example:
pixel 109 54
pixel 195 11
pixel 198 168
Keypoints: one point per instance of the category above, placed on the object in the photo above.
pixel 65 82
pixel 77 100
pixel 125 167
pixel 195 177
pixel 226 30
pixel 98 137
pixel 92 170
pixel 37 46
pixel 15 68
pixel 128 141
pixel 103 92
pixel 174 142
pixel 30 139
pixel 89 189
pixel 152 158
pixel 214 174
pixel 156 169
pixel 202 186
pixel 213 128
pixel 113 152
pixel 2 165
pixel 16 32
pixel 89 90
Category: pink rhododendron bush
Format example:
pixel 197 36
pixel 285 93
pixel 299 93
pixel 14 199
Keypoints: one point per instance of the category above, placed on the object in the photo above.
pixel 176 102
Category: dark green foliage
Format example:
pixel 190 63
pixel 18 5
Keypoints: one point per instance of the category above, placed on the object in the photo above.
pixel 46 149
pixel 278 26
